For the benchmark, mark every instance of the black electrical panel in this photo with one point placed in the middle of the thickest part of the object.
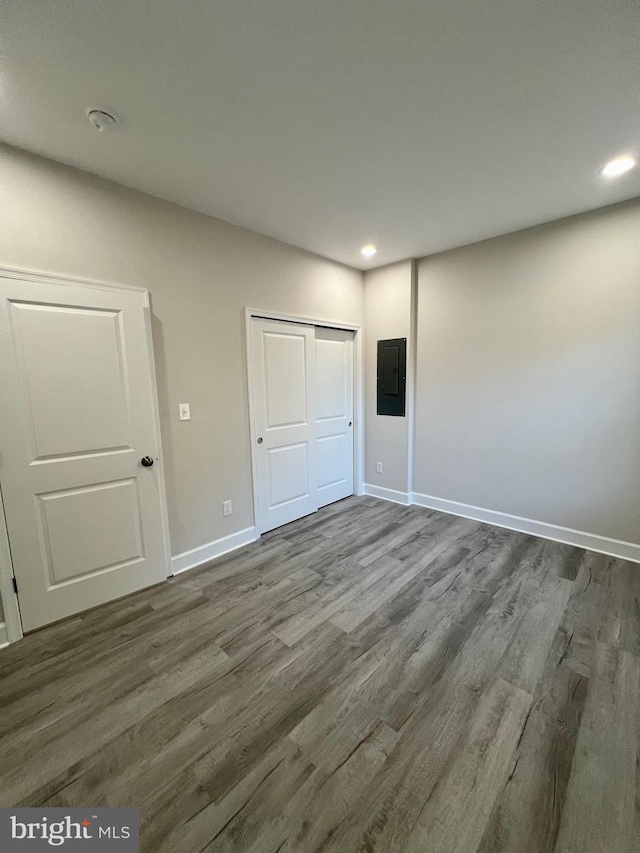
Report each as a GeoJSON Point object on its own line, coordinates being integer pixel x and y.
{"type": "Point", "coordinates": [392, 377]}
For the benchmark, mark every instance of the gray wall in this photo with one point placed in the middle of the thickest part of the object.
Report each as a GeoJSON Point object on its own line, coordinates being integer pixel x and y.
{"type": "Point", "coordinates": [387, 303]}
{"type": "Point", "coordinates": [201, 273]}
{"type": "Point", "coordinates": [528, 374]}
{"type": "Point", "coordinates": [528, 348]}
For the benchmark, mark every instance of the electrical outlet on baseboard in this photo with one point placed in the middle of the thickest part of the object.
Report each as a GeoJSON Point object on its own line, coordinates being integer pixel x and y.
{"type": "Point", "coordinates": [227, 507]}
{"type": "Point", "coordinates": [378, 467]}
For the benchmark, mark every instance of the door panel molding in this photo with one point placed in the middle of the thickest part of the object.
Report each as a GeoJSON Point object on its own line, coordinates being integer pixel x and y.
{"type": "Point", "coordinates": [66, 557]}
{"type": "Point", "coordinates": [38, 394]}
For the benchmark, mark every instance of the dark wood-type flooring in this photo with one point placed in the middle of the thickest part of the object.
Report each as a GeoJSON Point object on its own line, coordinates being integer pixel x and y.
{"type": "Point", "coordinates": [370, 678]}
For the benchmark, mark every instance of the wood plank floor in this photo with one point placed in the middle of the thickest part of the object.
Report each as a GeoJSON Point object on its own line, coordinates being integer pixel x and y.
{"type": "Point", "coordinates": [370, 678]}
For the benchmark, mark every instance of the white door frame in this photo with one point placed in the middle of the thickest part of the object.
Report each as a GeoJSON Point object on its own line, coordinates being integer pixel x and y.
{"type": "Point", "coordinates": [11, 631]}
{"type": "Point", "coordinates": [358, 402]}
{"type": "Point", "coordinates": [13, 622]}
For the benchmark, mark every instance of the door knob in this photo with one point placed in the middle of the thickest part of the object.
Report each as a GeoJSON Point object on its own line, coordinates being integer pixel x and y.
{"type": "Point", "coordinates": [259, 441]}
{"type": "Point", "coordinates": [350, 424]}
{"type": "Point", "coordinates": [146, 462]}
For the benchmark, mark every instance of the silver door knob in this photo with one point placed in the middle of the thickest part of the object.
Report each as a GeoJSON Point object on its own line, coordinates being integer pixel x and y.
{"type": "Point", "coordinates": [259, 441]}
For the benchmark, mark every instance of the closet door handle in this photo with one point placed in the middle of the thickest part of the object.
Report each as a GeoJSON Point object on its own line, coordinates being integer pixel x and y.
{"type": "Point", "coordinates": [260, 441]}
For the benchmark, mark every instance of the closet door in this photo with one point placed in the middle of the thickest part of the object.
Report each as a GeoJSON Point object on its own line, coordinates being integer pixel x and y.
{"type": "Point", "coordinates": [334, 424]}
{"type": "Point", "coordinates": [284, 421]}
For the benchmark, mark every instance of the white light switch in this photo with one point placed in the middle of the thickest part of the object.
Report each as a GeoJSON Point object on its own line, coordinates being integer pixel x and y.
{"type": "Point", "coordinates": [185, 411]}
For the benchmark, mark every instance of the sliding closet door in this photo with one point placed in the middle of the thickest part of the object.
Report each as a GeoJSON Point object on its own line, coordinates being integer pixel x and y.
{"type": "Point", "coordinates": [284, 414]}
{"type": "Point", "coordinates": [334, 426]}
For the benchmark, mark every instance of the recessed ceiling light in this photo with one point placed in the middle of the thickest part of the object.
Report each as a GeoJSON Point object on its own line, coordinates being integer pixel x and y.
{"type": "Point", "coordinates": [618, 166]}
{"type": "Point", "coordinates": [368, 251]}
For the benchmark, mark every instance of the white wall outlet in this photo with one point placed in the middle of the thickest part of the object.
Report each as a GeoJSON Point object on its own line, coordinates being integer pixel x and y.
{"type": "Point", "coordinates": [185, 411]}
{"type": "Point", "coordinates": [378, 467]}
{"type": "Point", "coordinates": [227, 507]}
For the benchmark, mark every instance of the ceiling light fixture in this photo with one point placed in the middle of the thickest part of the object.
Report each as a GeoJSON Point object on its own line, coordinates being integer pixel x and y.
{"type": "Point", "coordinates": [618, 166]}
{"type": "Point", "coordinates": [368, 251]}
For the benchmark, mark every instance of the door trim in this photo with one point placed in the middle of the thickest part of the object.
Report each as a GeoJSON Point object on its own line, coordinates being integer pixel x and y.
{"type": "Point", "coordinates": [358, 393]}
{"type": "Point", "coordinates": [74, 281]}
{"type": "Point", "coordinates": [13, 622]}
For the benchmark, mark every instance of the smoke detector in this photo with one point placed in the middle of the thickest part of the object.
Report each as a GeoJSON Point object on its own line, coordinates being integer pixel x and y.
{"type": "Point", "coordinates": [101, 119]}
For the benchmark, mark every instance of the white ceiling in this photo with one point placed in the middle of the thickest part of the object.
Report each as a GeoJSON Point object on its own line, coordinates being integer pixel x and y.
{"type": "Point", "coordinates": [414, 124]}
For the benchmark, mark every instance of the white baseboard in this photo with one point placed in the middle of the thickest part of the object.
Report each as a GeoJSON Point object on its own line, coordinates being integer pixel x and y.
{"type": "Point", "coordinates": [403, 498]}
{"type": "Point", "coordinates": [206, 553]}
{"type": "Point", "coordinates": [590, 541]}
{"type": "Point", "coordinates": [4, 636]}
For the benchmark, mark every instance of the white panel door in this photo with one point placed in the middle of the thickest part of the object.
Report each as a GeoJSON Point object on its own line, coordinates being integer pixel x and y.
{"type": "Point", "coordinates": [84, 515]}
{"type": "Point", "coordinates": [334, 425]}
{"type": "Point", "coordinates": [284, 395]}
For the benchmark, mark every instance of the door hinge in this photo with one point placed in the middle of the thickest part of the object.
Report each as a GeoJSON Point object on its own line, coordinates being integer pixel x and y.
{"type": "Point", "coordinates": [15, 585]}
